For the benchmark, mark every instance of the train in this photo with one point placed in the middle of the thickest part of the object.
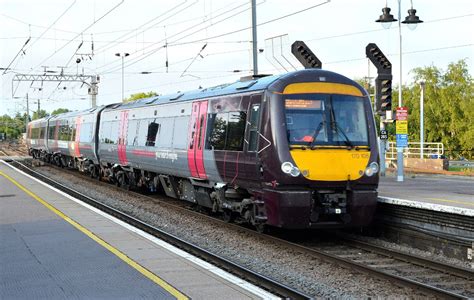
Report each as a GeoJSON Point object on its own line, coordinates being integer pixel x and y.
{"type": "Point", "coordinates": [297, 150]}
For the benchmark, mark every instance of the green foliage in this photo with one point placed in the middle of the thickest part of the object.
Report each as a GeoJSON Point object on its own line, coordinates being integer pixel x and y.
{"type": "Point", "coordinates": [42, 113]}
{"type": "Point", "coordinates": [448, 108]}
{"type": "Point", "coordinates": [60, 111]}
{"type": "Point", "coordinates": [13, 127]}
{"type": "Point", "coordinates": [138, 96]}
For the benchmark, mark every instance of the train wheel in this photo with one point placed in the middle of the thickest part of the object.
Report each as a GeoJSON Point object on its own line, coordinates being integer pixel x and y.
{"type": "Point", "coordinates": [261, 228]}
{"type": "Point", "coordinates": [228, 216]}
{"type": "Point", "coordinates": [122, 180]}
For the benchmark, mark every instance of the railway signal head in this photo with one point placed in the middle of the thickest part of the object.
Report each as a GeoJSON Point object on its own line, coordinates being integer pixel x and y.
{"type": "Point", "coordinates": [379, 60]}
{"type": "Point", "coordinates": [305, 56]}
{"type": "Point", "coordinates": [383, 85]}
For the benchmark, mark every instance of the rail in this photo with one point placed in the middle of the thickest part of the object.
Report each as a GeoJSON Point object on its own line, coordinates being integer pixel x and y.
{"type": "Point", "coordinates": [378, 262]}
{"type": "Point", "coordinates": [262, 281]}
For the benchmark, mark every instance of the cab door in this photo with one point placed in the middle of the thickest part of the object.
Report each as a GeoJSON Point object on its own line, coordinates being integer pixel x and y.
{"type": "Point", "coordinates": [252, 138]}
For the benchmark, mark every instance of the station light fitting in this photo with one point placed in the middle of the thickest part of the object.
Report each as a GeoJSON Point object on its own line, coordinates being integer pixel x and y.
{"type": "Point", "coordinates": [386, 18]}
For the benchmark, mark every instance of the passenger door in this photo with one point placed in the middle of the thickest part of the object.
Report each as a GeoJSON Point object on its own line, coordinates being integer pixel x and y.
{"type": "Point", "coordinates": [196, 138]}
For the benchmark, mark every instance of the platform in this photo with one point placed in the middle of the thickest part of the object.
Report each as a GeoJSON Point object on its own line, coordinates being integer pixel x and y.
{"type": "Point", "coordinates": [53, 246]}
{"type": "Point", "coordinates": [453, 194]}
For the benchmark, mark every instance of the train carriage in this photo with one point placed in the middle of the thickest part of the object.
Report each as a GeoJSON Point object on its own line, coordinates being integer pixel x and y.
{"type": "Point", "coordinates": [297, 150]}
{"type": "Point", "coordinates": [71, 139]}
{"type": "Point", "coordinates": [36, 138]}
{"type": "Point", "coordinates": [294, 151]}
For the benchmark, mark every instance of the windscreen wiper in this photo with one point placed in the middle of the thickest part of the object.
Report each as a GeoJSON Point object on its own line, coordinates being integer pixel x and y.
{"type": "Point", "coordinates": [336, 126]}
{"type": "Point", "coordinates": [316, 133]}
{"type": "Point", "coordinates": [338, 129]}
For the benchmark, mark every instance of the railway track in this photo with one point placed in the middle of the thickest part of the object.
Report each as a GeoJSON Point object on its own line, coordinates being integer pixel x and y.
{"type": "Point", "coordinates": [264, 282]}
{"type": "Point", "coordinates": [427, 276]}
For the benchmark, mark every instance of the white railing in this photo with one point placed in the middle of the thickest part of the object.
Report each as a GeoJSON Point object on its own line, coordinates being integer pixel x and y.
{"type": "Point", "coordinates": [430, 150]}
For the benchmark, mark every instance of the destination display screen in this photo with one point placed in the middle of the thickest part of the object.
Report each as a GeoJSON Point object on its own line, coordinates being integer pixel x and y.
{"type": "Point", "coordinates": [302, 104]}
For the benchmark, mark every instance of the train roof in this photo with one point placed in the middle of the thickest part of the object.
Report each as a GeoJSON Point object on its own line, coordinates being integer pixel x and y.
{"type": "Point", "coordinates": [247, 84]}
{"type": "Point", "coordinates": [75, 113]}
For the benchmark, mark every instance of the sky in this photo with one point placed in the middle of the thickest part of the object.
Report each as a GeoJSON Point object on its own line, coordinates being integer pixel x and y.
{"type": "Point", "coordinates": [207, 43]}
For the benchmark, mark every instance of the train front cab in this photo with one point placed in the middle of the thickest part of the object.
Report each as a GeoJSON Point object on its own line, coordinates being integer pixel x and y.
{"type": "Point", "coordinates": [322, 168]}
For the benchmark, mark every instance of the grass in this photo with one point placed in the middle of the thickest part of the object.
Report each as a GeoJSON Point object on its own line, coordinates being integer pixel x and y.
{"type": "Point", "coordinates": [467, 170]}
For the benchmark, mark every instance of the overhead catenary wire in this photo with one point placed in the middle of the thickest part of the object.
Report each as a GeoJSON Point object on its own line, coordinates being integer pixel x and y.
{"type": "Point", "coordinates": [80, 33]}
{"type": "Point", "coordinates": [18, 53]}
{"type": "Point", "coordinates": [52, 24]}
{"type": "Point", "coordinates": [133, 31]}
{"type": "Point", "coordinates": [153, 51]}
{"type": "Point", "coordinates": [174, 43]}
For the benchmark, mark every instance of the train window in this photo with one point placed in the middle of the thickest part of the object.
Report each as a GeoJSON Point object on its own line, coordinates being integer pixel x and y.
{"type": "Point", "coordinates": [153, 129]}
{"type": "Point", "coordinates": [73, 132]}
{"type": "Point", "coordinates": [34, 133]}
{"type": "Point", "coordinates": [253, 127]}
{"type": "Point", "coordinates": [236, 130]}
{"type": "Point", "coordinates": [114, 132]}
{"type": "Point", "coordinates": [132, 133]}
{"type": "Point", "coordinates": [51, 131]}
{"type": "Point", "coordinates": [166, 133]}
{"type": "Point", "coordinates": [218, 134]}
{"type": "Point", "coordinates": [64, 132]}
{"type": "Point", "coordinates": [180, 130]}
{"type": "Point", "coordinates": [85, 134]}
{"type": "Point", "coordinates": [201, 123]}
{"type": "Point", "coordinates": [42, 131]}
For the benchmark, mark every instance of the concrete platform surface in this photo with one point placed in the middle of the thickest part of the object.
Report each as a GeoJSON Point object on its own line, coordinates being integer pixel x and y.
{"type": "Point", "coordinates": [52, 246]}
{"type": "Point", "coordinates": [436, 192]}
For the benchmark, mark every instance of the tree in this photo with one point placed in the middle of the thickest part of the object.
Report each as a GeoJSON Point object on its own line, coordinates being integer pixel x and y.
{"type": "Point", "coordinates": [42, 113]}
{"type": "Point", "coordinates": [448, 107]}
{"type": "Point", "coordinates": [60, 111]}
{"type": "Point", "coordinates": [138, 96]}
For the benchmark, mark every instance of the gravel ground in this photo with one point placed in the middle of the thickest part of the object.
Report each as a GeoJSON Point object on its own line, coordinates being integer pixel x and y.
{"type": "Point", "coordinates": [307, 274]}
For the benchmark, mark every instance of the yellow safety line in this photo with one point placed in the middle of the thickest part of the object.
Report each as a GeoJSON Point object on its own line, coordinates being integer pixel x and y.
{"type": "Point", "coordinates": [103, 243]}
{"type": "Point", "coordinates": [452, 201]}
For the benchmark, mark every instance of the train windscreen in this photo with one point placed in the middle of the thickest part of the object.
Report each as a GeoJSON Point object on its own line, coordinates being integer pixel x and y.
{"type": "Point", "coordinates": [326, 120]}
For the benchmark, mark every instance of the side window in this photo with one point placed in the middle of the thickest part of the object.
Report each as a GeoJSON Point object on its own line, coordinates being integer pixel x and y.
{"type": "Point", "coordinates": [64, 132]}
{"type": "Point", "coordinates": [236, 130]}
{"type": "Point", "coordinates": [85, 135]}
{"type": "Point", "coordinates": [166, 133]}
{"type": "Point", "coordinates": [34, 133]}
{"type": "Point", "coordinates": [106, 131]}
{"type": "Point", "coordinates": [73, 132]}
{"type": "Point", "coordinates": [153, 129]}
{"type": "Point", "coordinates": [42, 131]}
{"type": "Point", "coordinates": [132, 132]}
{"type": "Point", "coordinates": [253, 127]}
{"type": "Point", "coordinates": [180, 132]}
{"type": "Point", "coordinates": [51, 130]}
{"type": "Point", "coordinates": [219, 131]}
{"type": "Point", "coordinates": [114, 132]}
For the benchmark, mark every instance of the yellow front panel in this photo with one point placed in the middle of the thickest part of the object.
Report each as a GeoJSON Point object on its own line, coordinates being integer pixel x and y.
{"type": "Point", "coordinates": [322, 88]}
{"type": "Point", "coordinates": [331, 164]}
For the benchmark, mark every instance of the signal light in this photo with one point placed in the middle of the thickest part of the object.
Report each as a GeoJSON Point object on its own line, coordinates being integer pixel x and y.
{"type": "Point", "coordinates": [383, 95]}
{"type": "Point", "coordinates": [383, 82]}
{"type": "Point", "coordinates": [305, 56]}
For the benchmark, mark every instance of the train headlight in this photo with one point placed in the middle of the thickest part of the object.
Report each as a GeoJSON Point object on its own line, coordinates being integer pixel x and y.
{"type": "Point", "coordinates": [372, 169]}
{"type": "Point", "coordinates": [288, 168]}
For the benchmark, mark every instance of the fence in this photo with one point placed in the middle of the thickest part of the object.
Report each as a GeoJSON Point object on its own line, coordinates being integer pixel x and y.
{"type": "Point", "coordinates": [430, 150]}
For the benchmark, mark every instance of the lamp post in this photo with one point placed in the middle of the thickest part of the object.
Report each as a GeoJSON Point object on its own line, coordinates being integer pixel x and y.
{"type": "Point", "coordinates": [411, 20]}
{"type": "Point", "coordinates": [122, 55]}
{"type": "Point", "coordinates": [422, 131]}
